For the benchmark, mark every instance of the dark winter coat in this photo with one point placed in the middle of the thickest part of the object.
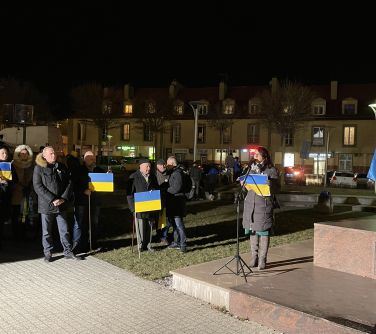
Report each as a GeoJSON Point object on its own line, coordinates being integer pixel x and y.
{"type": "Point", "coordinates": [51, 181]}
{"type": "Point", "coordinates": [175, 200]}
{"type": "Point", "coordinates": [137, 183]}
{"type": "Point", "coordinates": [80, 181]}
{"type": "Point", "coordinates": [258, 210]}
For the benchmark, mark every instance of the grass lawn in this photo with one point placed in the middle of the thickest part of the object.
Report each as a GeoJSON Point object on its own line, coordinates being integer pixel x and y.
{"type": "Point", "coordinates": [211, 232]}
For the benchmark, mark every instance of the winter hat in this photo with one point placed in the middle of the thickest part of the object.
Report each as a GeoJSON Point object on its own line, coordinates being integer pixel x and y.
{"type": "Point", "coordinates": [88, 153]}
{"type": "Point", "coordinates": [144, 161]}
{"type": "Point", "coordinates": [161, 162]}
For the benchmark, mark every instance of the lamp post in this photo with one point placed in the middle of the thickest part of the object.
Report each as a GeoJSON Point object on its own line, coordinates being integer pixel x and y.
{"type": "Point", "coordinates": [108, 152]}
{"type": "Point", "coordinates": [195, 105]}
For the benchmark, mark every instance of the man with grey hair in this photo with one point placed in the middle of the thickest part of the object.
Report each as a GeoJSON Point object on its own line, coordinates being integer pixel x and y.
{"type": "Point", "coordinates": [53, 186]}
{"type": "Point", "coordinates": [175, 204]}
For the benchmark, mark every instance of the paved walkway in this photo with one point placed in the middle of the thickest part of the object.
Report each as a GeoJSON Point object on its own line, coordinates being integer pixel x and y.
{"type": "Point", "coordinates": [92, 296]}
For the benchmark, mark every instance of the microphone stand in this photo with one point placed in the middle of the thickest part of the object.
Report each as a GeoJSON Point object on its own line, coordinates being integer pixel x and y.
{"type": "Point", "coordinates": [240, 263]}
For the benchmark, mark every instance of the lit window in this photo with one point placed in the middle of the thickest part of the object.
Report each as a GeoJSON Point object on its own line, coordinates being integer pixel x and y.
{"type": "Point", "coordinates": [128, 110]}
{"type": "Point", "coordinates": [228, 106]}
{"type": "Point", "coordinates": [126, 131]}
{"type": "Point", "coordinates": [349, 136]}
{"type": "Point", "coordinates": [318, 136]}
{"type": "Point", "coordinates": [179, 110]}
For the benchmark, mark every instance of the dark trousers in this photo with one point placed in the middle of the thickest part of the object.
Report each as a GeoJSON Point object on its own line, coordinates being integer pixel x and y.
{"type": "Point", "coordinates": [47, 230]}
{"type": "Point", "coordinates": [179, 231]}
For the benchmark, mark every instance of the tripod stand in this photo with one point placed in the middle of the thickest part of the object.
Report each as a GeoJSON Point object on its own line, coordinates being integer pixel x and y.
{"type": "Point", "coordinates": [240, 263]}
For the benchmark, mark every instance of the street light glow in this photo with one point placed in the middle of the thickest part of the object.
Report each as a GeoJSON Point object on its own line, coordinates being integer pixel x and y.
{"type": "Point", "coordinates": [373, 107]}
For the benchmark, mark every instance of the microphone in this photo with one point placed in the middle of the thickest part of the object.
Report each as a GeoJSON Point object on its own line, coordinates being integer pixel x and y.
{"type": "Point", "coordinates": [251, 162]}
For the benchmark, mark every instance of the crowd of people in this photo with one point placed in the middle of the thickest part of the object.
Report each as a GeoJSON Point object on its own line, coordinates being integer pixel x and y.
{"type": "Point", "coordinates": [41, 191]}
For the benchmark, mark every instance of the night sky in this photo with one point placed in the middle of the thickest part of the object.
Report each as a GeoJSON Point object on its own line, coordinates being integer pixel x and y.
{"type": "Point", "coordinates": [149, 44]}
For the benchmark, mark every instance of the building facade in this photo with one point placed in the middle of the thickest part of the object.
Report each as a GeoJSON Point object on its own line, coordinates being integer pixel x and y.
{"type": "Point", "coordinates": [157, 122]}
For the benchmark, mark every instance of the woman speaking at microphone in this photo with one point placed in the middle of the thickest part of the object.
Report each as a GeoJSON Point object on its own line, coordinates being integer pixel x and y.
{"type": "Point", "coordinates": [258, 208]}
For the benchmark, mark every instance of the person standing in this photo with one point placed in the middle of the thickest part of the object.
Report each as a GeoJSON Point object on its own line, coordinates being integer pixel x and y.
{"type": "Point", "coordinates": [258, 209]}
{"type": "Point", "coordinates": [22, 217]}
{"type": "Point", "coordinates": [82, 195]}
{"type": "Point", "coordinates": [140, 181]}
{"type": "Point", "coordinates": [6, 186]}
{"type": "Point", "coordinates": [230, 162]}
{"type": "Point", "coordinates": [162, 178]}
{"type": "Point", "coordinates": [176, 204]}
{"type": "Point", "coordinates": [196, 174]}
{"type": "Point", "coordinates": [53, 186]}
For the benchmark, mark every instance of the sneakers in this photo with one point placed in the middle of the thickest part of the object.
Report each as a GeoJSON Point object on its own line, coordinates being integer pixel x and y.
{"type": "Point", "coordinates": [71, 256]}
{"type": "Point", "coordinates": [163, 242]}
{"type": "Point", "coordinates": [48, 257]}
{"type": "Point", "coordinates": [174, 246]}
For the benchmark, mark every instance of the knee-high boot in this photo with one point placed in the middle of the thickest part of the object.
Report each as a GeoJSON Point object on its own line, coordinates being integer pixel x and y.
{"type": "Point", "coordinates": [254, 241]}
{"type": "Point", "coordinates": [263, 251]}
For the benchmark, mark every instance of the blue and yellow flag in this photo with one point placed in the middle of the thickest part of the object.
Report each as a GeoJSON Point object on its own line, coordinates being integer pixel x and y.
{"type": "Point", "coordinates": [372, 169]}
{"type": "Point", "coordinates": [258, 183]}
{"type": "Point", "coordinates": [6, 170]}
{"type": "Point", "coordinates": [147, 201]}
{"type": "Point", "coordinates": [101, 182]}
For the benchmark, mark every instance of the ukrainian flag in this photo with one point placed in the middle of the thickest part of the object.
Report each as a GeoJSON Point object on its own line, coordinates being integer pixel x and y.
{"type": "Point", "coordinates": [101, 182]}
{"type": "Point", "coordinates": [6, 170]}
{"type": "Point", "coordinates": [147, 201]}
{"type": "Point", "coordinates": [258, 183]}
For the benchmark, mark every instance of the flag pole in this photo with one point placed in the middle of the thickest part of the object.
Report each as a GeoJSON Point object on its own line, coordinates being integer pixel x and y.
{"type": "Point", "coordinates": [91, 249]}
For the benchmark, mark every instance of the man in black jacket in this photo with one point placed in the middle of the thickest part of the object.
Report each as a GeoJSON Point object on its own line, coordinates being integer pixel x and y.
{"type": "Point", "coordinates": [82, 195]}
{"type": "Point", "coordinates": [175, 204]}
{"type": "Point", "coordinates": [140, 181]}
{"type": "Point", "coordinates": [52, 184]}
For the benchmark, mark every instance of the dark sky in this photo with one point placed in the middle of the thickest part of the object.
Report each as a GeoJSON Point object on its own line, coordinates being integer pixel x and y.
{"type": "Point", "coordinates": [60, 45]}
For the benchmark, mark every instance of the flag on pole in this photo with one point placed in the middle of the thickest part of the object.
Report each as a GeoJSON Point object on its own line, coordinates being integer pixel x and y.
{"type": "Point", "coordinates": [101, 182]}
{"type": "Point", "coordinates": [372, 169]}
{"type": "Point", "coordinates": [147, 201]}
{"type": "Point", "coordinates": [258, 183]}
{"type": "Point", "coordinates": [6, 170]}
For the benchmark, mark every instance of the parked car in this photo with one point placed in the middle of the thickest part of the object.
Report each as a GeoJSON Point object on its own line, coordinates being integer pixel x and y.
{"type": "Point", "coordinates": [361, 180]}
{"type": "Point", "coordinates": [295, 175]}
{"type": "Point", "coordinates": [343, 179]}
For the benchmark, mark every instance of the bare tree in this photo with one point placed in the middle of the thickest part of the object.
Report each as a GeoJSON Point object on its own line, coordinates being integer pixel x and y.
{"type": "Point", "coordinates": [13, 91]}
{"type": "Point", "coordinates": [286, 108]}
{"type": "Point", "coordinates": [154, 117]}
{"type": "Point", "coordinates": [221, 125]}
{"type": "Point", "coordinates": [97, 106]}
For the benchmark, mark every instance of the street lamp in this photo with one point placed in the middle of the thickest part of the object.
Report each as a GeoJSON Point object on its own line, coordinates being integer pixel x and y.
{"type": "Point", "coordinates": [108, 152]}
{"type": "Point", "coordinates": [195, 105]}
{"type": "Point", "coordinates": [373, 107]}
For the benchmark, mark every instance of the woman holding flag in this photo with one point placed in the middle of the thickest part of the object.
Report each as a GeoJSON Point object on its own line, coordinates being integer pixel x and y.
{"type": "Point", "coordinates": [259, 205]}
{"type": "Point", "coordinates": [8, 177]}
